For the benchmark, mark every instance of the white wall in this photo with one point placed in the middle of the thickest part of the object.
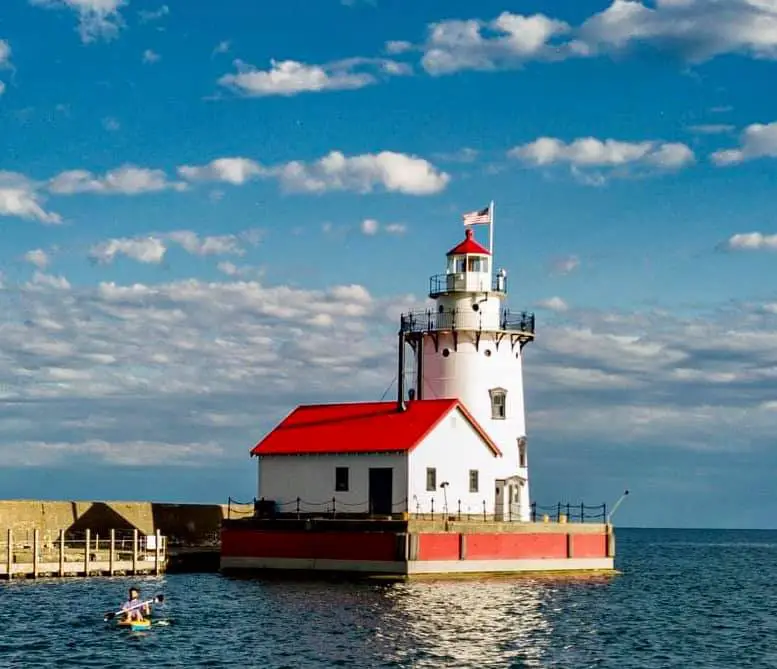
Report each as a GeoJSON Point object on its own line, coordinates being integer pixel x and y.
{"type": "Point", "coordinates": [453, 448]}
{"type": "Point", "coordinates": [283, 478]}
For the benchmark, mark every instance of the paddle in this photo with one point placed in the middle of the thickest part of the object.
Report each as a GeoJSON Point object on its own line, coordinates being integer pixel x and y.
{"type": "Point", "coordinates": [157, 600]}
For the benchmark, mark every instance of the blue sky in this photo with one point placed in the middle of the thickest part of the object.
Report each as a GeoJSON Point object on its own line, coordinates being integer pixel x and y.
{"type": "Point", "coordinates": [213, 212]}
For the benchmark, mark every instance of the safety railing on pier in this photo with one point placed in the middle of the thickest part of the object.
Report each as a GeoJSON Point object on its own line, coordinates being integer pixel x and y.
{"type": "Point", "coordinates": [438, 509]}
{"type": "Point", "coordinates": [81, 553]}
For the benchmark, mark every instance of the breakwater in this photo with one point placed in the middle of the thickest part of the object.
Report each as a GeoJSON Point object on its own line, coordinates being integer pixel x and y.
{"type": "Point", "coordinates": [191, 531]}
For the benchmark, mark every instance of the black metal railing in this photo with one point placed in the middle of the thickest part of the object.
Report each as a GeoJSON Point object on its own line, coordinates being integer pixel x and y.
{"type": "Point", "coordinates": [440, 284]}
{"type": "Point", "coordinates": [452, 319]}
{"type": "Point", "coordinates": [436, 509]}
{"type": "Point", "coordinates": [575, 513]}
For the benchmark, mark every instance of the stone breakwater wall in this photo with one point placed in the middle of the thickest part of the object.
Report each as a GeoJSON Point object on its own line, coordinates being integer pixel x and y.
{"type": "Point", "coordinates": [185, 524]}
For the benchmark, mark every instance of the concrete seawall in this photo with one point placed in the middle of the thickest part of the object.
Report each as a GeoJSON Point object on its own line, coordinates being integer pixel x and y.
{"type": "Point", "coordinates": [182, 524]}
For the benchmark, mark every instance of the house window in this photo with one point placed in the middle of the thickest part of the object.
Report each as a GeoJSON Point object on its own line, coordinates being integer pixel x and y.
{"type": "Point", "coordinates": [522, 452]}
{"type": "Point", "coordinates": [473, 480]}
{"type": "Point", "coordinates": [341, 479]}
{"type": "Point", "coordinates": [498, 403]}
{"type": "Point", "coordinates": [431, 478]}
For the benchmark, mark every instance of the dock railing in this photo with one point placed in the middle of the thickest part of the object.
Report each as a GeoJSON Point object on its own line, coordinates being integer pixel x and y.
{"type": "Point", "coordinates": [85, 553]}
{"type": "Point", "coordinates": [438, 509]}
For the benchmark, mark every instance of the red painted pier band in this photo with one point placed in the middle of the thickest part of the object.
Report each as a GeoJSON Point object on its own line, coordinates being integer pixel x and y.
{"type": "Point", "coordinates": [433, 482]}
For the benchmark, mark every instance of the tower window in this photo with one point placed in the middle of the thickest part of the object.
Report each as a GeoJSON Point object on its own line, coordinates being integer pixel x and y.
{"type": "Point", "coordinates": [446, 352]}
{"type": "Point", "coordinates": [498, 403]}
{"type": "Point", "coordinates": [475, 264]}
{"type": "Point", "coordinates": [431, 479]}
{"type": "Point", "coordinates": [522, 452]}
{"type": "Point", "coordinates": [473, 480]}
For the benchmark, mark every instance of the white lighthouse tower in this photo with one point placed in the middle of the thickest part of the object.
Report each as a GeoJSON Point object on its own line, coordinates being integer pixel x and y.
{"type": "Point", "coordinates": [470, 347]}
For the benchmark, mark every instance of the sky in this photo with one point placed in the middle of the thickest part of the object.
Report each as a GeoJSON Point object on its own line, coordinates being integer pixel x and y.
{"type": "Point", "coordinates": [213, 212]}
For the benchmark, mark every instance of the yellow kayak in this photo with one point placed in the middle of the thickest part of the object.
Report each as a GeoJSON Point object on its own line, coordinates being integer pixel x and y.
{"type": "Point", "coordinates": [135, 624]}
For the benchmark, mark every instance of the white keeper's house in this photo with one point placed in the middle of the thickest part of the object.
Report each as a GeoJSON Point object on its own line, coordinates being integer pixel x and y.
{"type": "Point", "coordinates": [454, 439]}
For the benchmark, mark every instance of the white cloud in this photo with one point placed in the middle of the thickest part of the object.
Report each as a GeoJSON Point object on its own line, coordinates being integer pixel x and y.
{"type": "Point", "coordinates": [204, 246]}
{"type": "Point", "coordinates": [221, 47]}
{"type": "Point", "coordinates": [155, 15]}
{"type": "Point", "coordinates": [610, 154]}
{"type": "Point", "coordinates": [553, 304]}
{"type": "Point", "coordinates": [565, 265]}
{"type": "Point", "coordinates": [370, 226]}
{"type": "Point", "coordinates": [149, 250]}
{"type": "Point", "coordinates": [398, 46]}
{"type": "Point", "coordinates": [124, 180]}
{"type": "Point", "coordinates": [752, 241]}
{"type": "Point", "coordinates": [698, 29]}
{"type": "Point", "coordinates": [394, 172]}
{"type": "Point", "coordinates": [758, 140]}
{"type": "Point", "coordinates": [150, 56]}
{"type": "Point", "coordinates": [5, 54]}
{"type": "Point", "coordinates": [19, 198]}
{"type": "Point", "coordinates": [38, 257]}
{"type": "Point", "coordinates": [2, 88]}
{"type": "Point", "coordinates": [97, 19]}
{"type": "Point", "coordinates": [290, 77]}
{"type": "Point", "coordinates": [507, 41]}
{"type": "Point", "coordinates": [395, 228]}
{"type": "Point", "coordinates": [230, 170]}
{"type": "Point", "coordinates": [41, 280]}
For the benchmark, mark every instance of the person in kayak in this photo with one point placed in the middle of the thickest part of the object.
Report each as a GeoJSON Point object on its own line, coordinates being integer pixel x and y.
{"type": "Point", "coordinates": [135, 612]}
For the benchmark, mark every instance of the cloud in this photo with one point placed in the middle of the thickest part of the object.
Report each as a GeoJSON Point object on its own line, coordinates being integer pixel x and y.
{"type": "Point", "coordinates": [5, 54]}
{"type": "Point", "coordinates": [371, 227]}
{"type": "Point", "coordinates": [205, 246]}
{"type": "Point", "coordinates": [565, 265]}
{"type": "Point", "coordinates": [290, 77]}
{"type": "Point", "coordinates": [553, 304]}
{"type": "Point", "coordinates": [146, 16]}
{"type": "Point", "coordinates": [393, 172]}
{"type": "Point", "coordinates": [758, 140]}
{"type": "Point", "coordinates": [751, 241]}
{"type": "Point", "coordinates": [697, 30]}
{"type": "Point", "coordinates": [44, 281]}
{"type": "Point", "coordinates": [124, 180]}
{"type": "Point", "coordinates": [19, 198]}
{"type": "Point", "coordinates": [612, 155]}
{"type": "Point", "coordinates": [711, 128]}
{"type": "Point", "coordinates": [149, 250]}
{"type": "Point", "coordinates": [97, 19]}
{"type": "Point", "coordinates": [507, 41]}
{"type": "Point", "coordinates": [150, 56]}
{"type": "Point", "coordinates": [38, 257]}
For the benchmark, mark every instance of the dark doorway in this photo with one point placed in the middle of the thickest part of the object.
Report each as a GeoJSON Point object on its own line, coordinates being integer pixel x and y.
{"type": "Point", "coordinates": [381, 490]}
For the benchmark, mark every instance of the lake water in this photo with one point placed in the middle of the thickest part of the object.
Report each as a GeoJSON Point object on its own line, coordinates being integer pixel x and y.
{"type": "Point", "coordinates": [686, 598]}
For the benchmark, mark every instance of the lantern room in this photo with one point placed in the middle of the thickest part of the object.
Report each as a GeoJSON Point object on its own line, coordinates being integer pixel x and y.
{"type": "Point", "coordinates": [468, 271]}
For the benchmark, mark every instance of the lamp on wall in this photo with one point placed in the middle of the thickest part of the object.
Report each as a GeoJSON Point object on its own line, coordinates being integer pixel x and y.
{"type": "Point", "coordinates": [444, 485]}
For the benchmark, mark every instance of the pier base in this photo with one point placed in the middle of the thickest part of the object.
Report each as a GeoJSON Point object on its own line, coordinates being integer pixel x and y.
{"type": "Point", "coordinates": [414, 548]}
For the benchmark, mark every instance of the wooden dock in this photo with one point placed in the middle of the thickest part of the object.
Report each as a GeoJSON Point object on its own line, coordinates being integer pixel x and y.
{"type": "Point", "coordinates": [121, 553]}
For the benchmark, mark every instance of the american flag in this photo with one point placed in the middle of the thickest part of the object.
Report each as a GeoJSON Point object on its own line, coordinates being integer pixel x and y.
{"type": "Point", "coordinates": [477, 217]}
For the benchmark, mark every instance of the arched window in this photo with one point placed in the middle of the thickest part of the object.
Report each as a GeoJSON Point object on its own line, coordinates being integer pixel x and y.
{"type": "Point", "coordinates": [498, 403]}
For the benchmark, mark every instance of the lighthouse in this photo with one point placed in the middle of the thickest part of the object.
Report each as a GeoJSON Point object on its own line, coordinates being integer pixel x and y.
{"type": "Point", "coordinates": [469, 346]}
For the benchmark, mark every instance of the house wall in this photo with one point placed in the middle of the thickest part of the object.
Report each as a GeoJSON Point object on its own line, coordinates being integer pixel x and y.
{"type": "Point", "coordinates": [453, 448]}
{"type": "Point", "coordinates": [283, 478]}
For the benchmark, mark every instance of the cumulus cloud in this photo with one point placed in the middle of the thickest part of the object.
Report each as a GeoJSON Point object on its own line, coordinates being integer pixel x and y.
{"type": "Point", "coordinates": [205, 246]}
{"type": "Point", "coordinates": [124, 180]}
{"type": "Point", "coordinates": [609, 154]}
{"type": "Point", "coordinates": [150, 56]}
{"type": "Point", "coordinates": [371, 227]}
{"type": "Point", "coordinates": [19, 198]}
{"type": "Point", "coordinates": [38, 257]}
{"type": "Point", "coordinates": [394, 172]}
{"type": "Point", "coordinates": [553, 304]}
{"type": "Point", "coordinates": [758, 140]}
{"type": "Point", "coordinates": [290, 77]}
{"type": "Point", "coordinates": [149, 250]}
{"type": "Point", "coordinates": [5, 54]}
{"type": "Point", "coordinates": [153, 15]}
{"type": "Point", "coordinates": [695, 30]}
{"type": "Point", "coordinates": [751, 241]}
{"type": "Point", "coordinates": [97, 19]}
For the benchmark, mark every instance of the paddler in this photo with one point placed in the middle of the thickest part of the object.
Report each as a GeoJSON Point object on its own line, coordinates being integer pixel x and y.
{"type": "Point", "coordinates": [134, 611]}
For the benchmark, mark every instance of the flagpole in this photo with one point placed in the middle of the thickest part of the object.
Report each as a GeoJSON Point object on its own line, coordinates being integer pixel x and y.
{"type": "Point", "coordinates": [491, 232]}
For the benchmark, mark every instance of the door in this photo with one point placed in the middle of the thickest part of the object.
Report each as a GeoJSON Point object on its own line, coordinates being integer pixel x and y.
{"type": "Point", "coordinates": [381, 490]}
{"type": "Point", "coordinates": [499, 502]}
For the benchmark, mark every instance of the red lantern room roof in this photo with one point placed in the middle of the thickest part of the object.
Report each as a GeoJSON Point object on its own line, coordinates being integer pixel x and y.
{"type": "Point", "coordinates": [469, 245]}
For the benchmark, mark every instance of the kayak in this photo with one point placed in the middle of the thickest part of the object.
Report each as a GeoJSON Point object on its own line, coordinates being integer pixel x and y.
{"type": "Point", "coordinates": [135, 625]}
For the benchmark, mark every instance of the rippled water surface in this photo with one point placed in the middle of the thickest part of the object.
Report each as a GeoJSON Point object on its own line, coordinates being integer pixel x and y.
{"type": "Point", "coordinates": [685, 599]}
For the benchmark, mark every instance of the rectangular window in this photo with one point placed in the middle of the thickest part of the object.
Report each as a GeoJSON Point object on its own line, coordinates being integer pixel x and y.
{"type": "Point", "coordinates": [473, 480]}
{"type": "Point", "coordinates": [431, 479]}
{"type": "Point", "coordinates": [498, 404]}
{"type": "Point", "coordinates": [474, 264]}
{"type": "Point", "coordinates": [341, 479]}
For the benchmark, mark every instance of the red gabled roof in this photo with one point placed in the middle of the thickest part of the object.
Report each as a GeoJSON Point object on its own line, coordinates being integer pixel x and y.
{"type": "Point", "coordinates": [469, 245]}
{"type": "Point", "coordinates": [360, 427]}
